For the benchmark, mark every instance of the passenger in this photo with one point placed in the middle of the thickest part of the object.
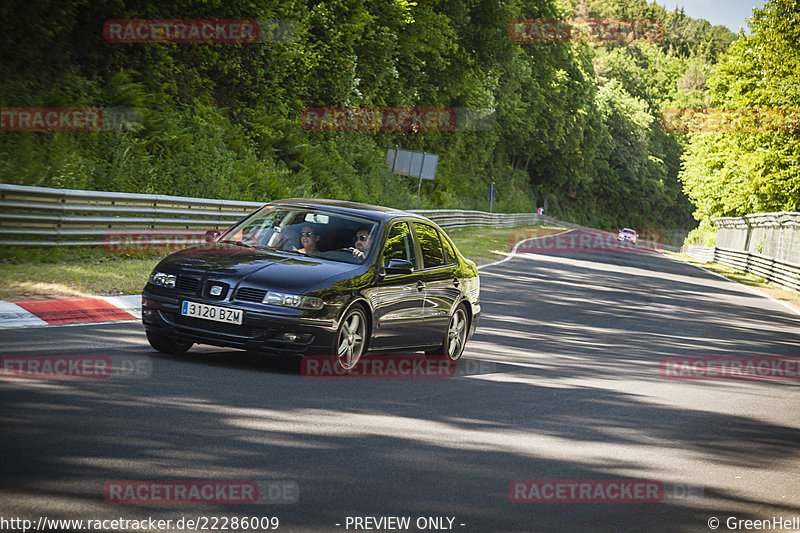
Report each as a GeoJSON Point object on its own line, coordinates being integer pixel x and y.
{"type": "Point", "coordinates": [309, 238]}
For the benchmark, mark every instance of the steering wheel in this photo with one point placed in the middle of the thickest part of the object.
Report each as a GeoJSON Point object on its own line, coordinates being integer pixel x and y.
{"type": "Point", "coordinates": [352, 250]}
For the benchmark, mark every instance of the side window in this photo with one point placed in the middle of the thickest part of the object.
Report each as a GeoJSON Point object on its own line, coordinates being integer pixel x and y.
{"type": "Point", "coordinates": [431, 246]}
{"type": "Point", "coordinates": [398, 244]}
{"type": "Point", "coordinates": [449, 252]}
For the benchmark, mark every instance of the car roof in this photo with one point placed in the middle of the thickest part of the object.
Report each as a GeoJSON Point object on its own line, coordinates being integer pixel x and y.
{"type": "Point", "coordinates": [345, 207]}
{"type": "Point", "coordinates": [628, 230]}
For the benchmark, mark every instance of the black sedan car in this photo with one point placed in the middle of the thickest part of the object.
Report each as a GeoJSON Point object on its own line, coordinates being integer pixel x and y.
{"type": "Point", "coordinates": [317, 277]}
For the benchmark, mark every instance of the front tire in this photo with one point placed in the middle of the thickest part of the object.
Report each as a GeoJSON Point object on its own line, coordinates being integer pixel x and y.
{"type": "Point", "coordinates": [351, 339]}
{"type": "Point", "coordinates": [165, 344]}
{"type": "Point", "coordinates": [456, 336]}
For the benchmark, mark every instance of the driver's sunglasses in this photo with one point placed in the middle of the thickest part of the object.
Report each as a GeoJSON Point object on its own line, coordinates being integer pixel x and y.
{"type": "Point", "coordinates": [362, 237]}
{"type": "Point", "coordinates": [306, 233]}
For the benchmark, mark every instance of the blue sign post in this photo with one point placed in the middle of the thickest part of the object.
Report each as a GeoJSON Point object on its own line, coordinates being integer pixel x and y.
{"type": "Point", "coordinates": [491, 195]}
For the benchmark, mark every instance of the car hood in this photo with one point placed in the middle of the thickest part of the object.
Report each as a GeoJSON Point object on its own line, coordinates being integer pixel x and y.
{"type": "Point", "coordinates": [254, 268]}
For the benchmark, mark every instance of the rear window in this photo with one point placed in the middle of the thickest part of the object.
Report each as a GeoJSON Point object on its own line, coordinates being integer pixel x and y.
{"type": "Point", "coordinates": [430, 244]}
{"type": "Point", "coordinates": [449, 250]}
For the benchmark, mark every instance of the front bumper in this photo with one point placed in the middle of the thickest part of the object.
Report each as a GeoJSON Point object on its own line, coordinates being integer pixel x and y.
{"type": "Point", "coordinates": [473, 324]}
{"type": "Point", "coordinates": [259, 331]}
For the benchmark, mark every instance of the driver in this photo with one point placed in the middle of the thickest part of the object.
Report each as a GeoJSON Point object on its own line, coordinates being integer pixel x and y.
{"type": "Point", "coordinates": [362, 242]}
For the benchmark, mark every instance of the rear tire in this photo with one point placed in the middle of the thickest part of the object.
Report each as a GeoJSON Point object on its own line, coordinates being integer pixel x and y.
{"type": "Point", "coordinates": [165, 344]}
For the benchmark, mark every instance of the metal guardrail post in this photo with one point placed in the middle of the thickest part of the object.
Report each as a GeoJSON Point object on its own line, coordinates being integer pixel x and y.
{"type": "Point", "coordinates": [770, 271]}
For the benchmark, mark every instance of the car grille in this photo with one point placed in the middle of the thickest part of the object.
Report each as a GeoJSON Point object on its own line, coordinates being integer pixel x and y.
{"type": "Point", "coordinates": [186, 284]}
{"type": "Point", "coordinates": [221, 295]}
{"type": "Point", "coordinates": [217, 327]}
{"type": "Point", "coordinates": [250, 295]}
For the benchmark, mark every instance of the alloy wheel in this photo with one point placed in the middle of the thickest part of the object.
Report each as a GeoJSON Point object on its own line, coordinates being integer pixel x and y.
{"type": "Point", "coordinates": [350, 339]}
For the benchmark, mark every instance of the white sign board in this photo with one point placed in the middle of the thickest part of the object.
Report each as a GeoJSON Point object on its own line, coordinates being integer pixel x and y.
{"type": "Point", "coordinates": [414, 164]}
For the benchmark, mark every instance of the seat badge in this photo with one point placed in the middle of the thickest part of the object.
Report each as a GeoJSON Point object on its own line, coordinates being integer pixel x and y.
{"type": "Point", "coordinates": [216, 290]}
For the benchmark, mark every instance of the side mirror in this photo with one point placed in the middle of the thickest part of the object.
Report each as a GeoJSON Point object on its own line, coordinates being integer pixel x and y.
{"type": "Point", "coordinates": [211, 235]}
{"type": "Point", "coordinates": [398, 266]}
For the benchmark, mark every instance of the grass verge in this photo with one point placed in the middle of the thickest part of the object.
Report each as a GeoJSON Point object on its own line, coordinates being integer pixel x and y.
{"type": "Point", "coordinates": [79, 272]}
{"type": "Point", "coordinates": [486, 245]}
{"type": "Point", "coordinates": [745, 279]}
{"type": "Point", "coordinates": [75, 278]}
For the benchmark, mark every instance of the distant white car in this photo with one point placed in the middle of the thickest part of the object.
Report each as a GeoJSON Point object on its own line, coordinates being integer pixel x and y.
{"type": "Point", "coordinates": [627, 235]}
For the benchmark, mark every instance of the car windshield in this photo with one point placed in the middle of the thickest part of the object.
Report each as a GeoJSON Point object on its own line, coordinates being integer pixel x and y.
{"type": "Point", "coordinates": [306, 231]}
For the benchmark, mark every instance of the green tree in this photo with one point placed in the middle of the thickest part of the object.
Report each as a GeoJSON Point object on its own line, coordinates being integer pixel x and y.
{"type": "Point", "coordinates": [739, 172]}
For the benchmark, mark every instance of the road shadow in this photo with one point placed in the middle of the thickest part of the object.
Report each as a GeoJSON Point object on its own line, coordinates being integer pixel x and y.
{"type": "Point", "coordinates": [556, 338]}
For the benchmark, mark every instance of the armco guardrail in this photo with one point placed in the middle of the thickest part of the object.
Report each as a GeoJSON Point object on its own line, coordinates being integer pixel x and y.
{"type": "Point", "coordinates": [36, 216]}
{"type": "Point", "coordinates": [450, 219]}
{"type": "Point", "coordinates": [704, 254]}
{"type": "Point", "coordinates": [771, 234]}
{"type": "Point", "coordinates": [780, 273]}
{"type": "Point", "coordinates": [766, 245]}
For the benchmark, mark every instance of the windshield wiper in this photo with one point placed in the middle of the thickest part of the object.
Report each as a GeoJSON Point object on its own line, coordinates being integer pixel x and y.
{"type": "Point", "coordinates": [283, 250]}
{"type": "Point", "coordinates": [240, 243]}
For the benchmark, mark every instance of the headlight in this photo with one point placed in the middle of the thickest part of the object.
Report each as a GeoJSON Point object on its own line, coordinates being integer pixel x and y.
{"type": "Point", "coordinates": [292, 300]}
{"type": "Point", "coordinates": [160, 278]}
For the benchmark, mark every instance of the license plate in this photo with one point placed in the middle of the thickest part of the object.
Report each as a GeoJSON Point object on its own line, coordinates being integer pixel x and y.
{"type": "Point", "coordinates": [212, 312]}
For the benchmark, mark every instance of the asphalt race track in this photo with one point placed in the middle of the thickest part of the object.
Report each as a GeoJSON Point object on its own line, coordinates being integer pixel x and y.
{"type": "Point", "coordinates": [563, 381]}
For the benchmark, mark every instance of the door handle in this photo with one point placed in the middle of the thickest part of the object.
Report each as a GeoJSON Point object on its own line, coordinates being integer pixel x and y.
{"type": "Point", "coordinates": [420, 285]}
{"type": "Point", "coordinates": [456, 283]}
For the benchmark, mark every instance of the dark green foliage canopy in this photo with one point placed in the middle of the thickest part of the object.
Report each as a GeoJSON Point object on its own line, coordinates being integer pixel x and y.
{"type": "Point", "coordinates": [574, 123]}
